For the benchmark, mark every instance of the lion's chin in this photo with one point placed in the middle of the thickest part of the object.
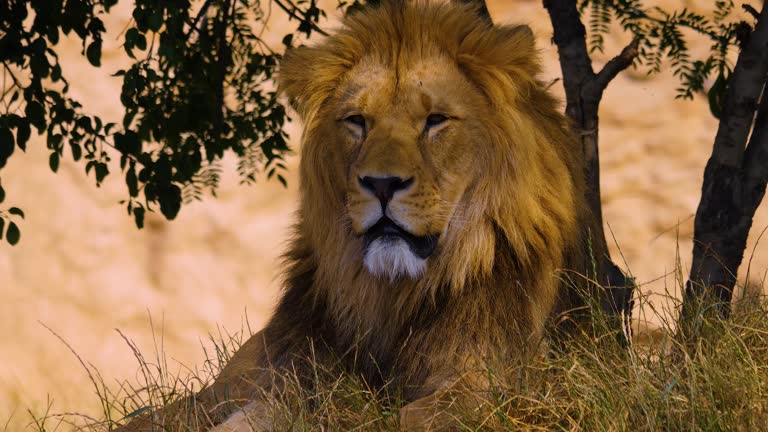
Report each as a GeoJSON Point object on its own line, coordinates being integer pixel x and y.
{"type": "Point", "coordinates": [391, 257]}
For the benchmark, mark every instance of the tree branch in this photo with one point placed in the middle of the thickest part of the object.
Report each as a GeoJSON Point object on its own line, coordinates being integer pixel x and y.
{"type": "Point", "coordinates": [742, 95]}
{"type": "Point", "coordinates": [200, 14]}
{"type": "Point", "coordinates": [617, 64]}
{"type": "Point", "coordinates": [292, 13]}
{"type": "Point", "coordinates": [583, 91]}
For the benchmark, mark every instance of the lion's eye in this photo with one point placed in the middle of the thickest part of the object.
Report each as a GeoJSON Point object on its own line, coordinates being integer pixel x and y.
{"type": "Point", "coordinates": [356, 119]}
{"type": "Point", "coordinates": [434, 120]}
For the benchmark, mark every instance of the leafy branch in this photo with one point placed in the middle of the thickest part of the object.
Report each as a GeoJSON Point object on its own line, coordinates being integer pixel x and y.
{"type": "Point", "coordinates": [660, 35]}
{"type": "Point", "coordinates": [200, 85]}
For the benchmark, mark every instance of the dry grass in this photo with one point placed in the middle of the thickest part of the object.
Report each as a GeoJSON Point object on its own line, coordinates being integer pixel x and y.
{"type": "Point", "coordinates": [719, 382]}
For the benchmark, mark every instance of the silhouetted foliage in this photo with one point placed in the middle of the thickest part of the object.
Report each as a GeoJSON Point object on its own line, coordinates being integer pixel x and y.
{"type": "Point", "coordinates": [736, 175]}
{"type": "Point", "coordinates": [661, 37]}
{"type": "Point", "coordinates": [199, 85]}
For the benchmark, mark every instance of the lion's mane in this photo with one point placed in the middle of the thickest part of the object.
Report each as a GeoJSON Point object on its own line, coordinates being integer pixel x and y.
{"type": "Point", "coordinates": [495, 280]}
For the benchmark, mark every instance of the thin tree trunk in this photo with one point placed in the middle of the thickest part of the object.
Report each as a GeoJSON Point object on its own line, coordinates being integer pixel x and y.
{"type": "Point", "coordinates": [734, 181]}
{"type": "Point", "coordinates": [583, 90]}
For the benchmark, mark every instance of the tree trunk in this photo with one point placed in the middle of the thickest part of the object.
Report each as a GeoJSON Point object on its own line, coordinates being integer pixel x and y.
{"type": "Point", "coordinates": [734, 182]}
{"type": "Point", "coordinates": [583, 90]}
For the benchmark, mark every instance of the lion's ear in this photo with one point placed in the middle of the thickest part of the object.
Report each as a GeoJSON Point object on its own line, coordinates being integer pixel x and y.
{"type": "Point", "coordinates": [518, 31]}
{"type": "Point", "coordinates": [518, 34]}
{"type": "Point", "coordinates": [506, 53]}
{"type": "Point", "coordinates": [308, 75]}
{"type": "Point", "coordinates": [293, 79]}
{"type": "Point", "coordinates": [520, 44]}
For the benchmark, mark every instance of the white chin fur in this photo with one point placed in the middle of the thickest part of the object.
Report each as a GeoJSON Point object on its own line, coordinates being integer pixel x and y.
{"type": "Point", "coordinates": [393, 258]}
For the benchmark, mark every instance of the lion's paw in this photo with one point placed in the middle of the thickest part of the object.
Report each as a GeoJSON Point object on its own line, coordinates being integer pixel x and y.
{"type": "Point", "coordinates": [250, 418]}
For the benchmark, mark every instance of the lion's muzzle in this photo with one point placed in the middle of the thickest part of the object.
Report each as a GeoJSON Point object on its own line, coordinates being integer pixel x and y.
{"type": "Point", "coordinates": [386, 230]}
{"type": "Point", "coordinates": [391, 247]}
{"type": "Point", "coordinates": [392, 251]}
{"type": "Point", "coordinates": [384, 189]}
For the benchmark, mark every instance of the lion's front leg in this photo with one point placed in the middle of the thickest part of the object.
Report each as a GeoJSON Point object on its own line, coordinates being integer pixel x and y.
{"type": "Point", "coordinates": [449, 397]}
{"type": "Point", "coordinates": [254, 417]}
{"type": "Point", "coordinates": [426, 414]}
{"type": "Point", "coordinates": [247, 377]}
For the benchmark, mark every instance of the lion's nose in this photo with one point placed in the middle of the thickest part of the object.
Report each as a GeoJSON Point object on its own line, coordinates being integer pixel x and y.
{"type": "Point", "coordinates": [384, 188]}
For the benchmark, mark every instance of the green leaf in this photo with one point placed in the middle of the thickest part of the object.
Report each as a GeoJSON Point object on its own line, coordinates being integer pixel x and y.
{"type": "Point", "coordinates": [54, 141]}
{"type": "Point", "coordinates": [128, 118]}
{"type": "Point", "coordinates": [155, 20]}
{"type": "Point", "coordinates": [6, 145]}
{"type": "Point", "coordinates": [94, 52]}
{"type": "Point", "coordinates": [38, 64]}
{"type": "Point", "coordinates": [77, 151]}
{"type": "Point", "coordinates": [10, 46]}
{"type": "Point", "coordinates": [13, 234]}
{"type": "Point", "coordinates": [150, 191]}
{"type": "Point", "coordinates": [131, 181]}
{"type": "Point", "coordinates": [169, 196]}
{"type": "Point", "coordinates": [140, 15]}
{"type": "Point", "coordinates": [101, 172]}
{"type": "Point", "coordinates": [53, 34]}
{"type": "Point", "coordinates": [128, 143]}
{"type": "Point", "coordinates": [2, 225]}
{"type": "Point", "coordinates": [144, 175]}
{"type": "Point", "coordinates": [22, 134]}
{"type": "Point", "coordinates": [138, 217]}
{"type": "Point", "coordinates": [131, 36]}
{"type": "Point", "coordinates": [84, 123]}
{"type": "Point", "coordinates": [2, 193]}
{"type": "Point", "coordinates": [53, 161]}
{"type": "Point", "coordinates": [141, 42]}
{"type": "Point", "coordinates": [16, 211]}
{"type": "Point", "coordinates": [89, 166]}
{"type": "Point", "coordinates": [142, 409]}
{"type": "Point", "coordinates": [36, 115]}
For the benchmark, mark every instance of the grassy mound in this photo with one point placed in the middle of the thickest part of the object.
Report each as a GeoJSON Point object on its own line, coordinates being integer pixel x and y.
{"type": "Point", "coordinates": [716, 382]}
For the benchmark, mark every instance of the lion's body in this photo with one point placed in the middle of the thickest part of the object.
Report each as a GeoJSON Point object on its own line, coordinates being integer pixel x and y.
{"type": "Point", "coordinates": [494, 182]}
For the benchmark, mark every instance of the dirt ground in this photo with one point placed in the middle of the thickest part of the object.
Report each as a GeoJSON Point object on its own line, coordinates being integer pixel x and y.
{"type": "Point", "coordinates": [83, 270]}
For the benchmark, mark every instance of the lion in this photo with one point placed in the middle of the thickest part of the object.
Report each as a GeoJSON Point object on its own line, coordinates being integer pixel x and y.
{"type": "Point", "coordinates": [441, 195]}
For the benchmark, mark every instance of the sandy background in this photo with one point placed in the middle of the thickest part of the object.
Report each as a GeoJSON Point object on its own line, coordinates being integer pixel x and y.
{"type": "Point", "coordinates": [84, 270]}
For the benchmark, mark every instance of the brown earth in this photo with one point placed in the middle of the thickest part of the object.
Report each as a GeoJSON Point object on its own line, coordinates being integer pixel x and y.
{"type": "Point", "coordinates": [84, 270]}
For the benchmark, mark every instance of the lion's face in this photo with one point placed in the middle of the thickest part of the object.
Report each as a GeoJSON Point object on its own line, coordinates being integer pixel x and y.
{"type": "Point", "coordinates": [411, 145]}
{"type": "Point", "coordinates": [429, 149]}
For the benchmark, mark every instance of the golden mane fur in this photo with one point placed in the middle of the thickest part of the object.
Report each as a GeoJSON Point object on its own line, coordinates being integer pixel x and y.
{"type": "Point", "coordinates": [498, 180]}
{"type": "Point", "coordinates": [529, 198]}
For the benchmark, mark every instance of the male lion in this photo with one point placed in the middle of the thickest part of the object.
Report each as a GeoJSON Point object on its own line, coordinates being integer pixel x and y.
{"type": "Point", "coordinates": [441, 192]}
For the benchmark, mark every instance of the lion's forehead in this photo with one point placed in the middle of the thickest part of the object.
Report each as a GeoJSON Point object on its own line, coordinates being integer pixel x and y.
{"type": "Point", "coordinates": [433, 84]}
